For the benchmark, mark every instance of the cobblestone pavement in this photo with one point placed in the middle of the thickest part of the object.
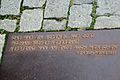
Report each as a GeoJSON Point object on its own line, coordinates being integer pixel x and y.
{"type": "Point", "coordinates": [57, 15]}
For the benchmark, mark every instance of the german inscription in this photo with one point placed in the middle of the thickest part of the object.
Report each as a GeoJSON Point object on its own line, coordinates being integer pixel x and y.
{"type": "Point", "coordinates": [74, 55]}
{"type": "Point", "coordinates": [61, 42]}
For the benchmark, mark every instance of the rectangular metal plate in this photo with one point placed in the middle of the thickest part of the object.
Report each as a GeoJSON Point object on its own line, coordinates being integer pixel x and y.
{"type": "Point", "coordinates": [75, 55]}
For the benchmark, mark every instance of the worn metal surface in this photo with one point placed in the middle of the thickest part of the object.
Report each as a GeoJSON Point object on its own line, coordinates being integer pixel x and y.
{"type": "Point", "coordinates": [61, 63]}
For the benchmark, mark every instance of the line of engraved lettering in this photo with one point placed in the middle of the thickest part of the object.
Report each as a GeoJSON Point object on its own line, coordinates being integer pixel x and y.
{"type": "Point", "coordinates": [16, 37]}
{"type": "Point", "coordinates": [27, 37]}
{"type": "Point", "coordinates": [83, 35]}
{"type": "Point", "coordinates": [45, 42]}
{"type": "Point", "coordinates": [21, 48]}
{"type": "Point", "coordinates": [60, 48]}
{"type": "Point", "coordinates": [22, 43]}
{"type": "Point", "coordinates": [66, 47]}
{"type": "Point", "coordinates": [23, 37]}
{"type": "Point", "coordinates": [42, 48]}
{"type": "Point", "coordinates": [65, 41]}
{"type": "Point", "coordinates": [96, 52]}
{"type": "Point", "coordinates": [56, 42]}
{"type": "Point", "coordinates": [96, 47]}
{"type": "Point", "coordinates": [57, 36]}
{"type": "Point", "coordinates": [40, 37]}
{"type": "Point", "coordinates": [15, 43]}
{"type": "Point", "coordinates": [53, 48]}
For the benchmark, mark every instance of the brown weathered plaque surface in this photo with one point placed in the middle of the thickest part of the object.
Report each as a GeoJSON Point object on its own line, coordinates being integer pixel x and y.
{"type": "Point", "coordinates": [77, 55]}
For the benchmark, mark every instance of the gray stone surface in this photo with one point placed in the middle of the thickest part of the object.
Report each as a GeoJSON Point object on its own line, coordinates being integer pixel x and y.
{"type": "Point", "coordinates": [83, 1]}
{"type": "Point", "coordinates": [2, 40]}
{"type": "Point", "coordinates": [31, 20]}
{"type": "Point", "coordinates": [54, 25]}
{"type": "Point", "coordinates": [8, 25]}
{"type": "Point", "coordinates": [34, 3]}
{"type": "Point", "coordinates": [108, 6]}
{"type": "Point", "coordinates": [107, 22]}
{"type": "Point", "coordinates": [80, 16]}
{"type": "Point", "coordinates": [10, 7]}
{"type": "Point", "coordinates": [56, 8]}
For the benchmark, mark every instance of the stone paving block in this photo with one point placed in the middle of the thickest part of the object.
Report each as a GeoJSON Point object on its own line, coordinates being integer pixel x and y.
{"type": "Point", "coordinates": [31, 20]}
{"type": "Point", "coordinates": [108, 6]}
{"type": "Point", "coordinates": [10, 7]}
{"type": "Point", "coordinates": [80, 16]}
{"type": "Point", "coordinates": [54, 25]}
{"type": "Point", "coordinates": [107, 22]}
{"type": "Point", "coordinates": [83, 1]}
{"type": "Point", "coordinates": [2, 40]}
{"type": "Point", "coordinates": [34, 3]}
{"type": "Point", "coordinates": [8, 25]}
{"type": "Point", "coordinates": [56, 8]}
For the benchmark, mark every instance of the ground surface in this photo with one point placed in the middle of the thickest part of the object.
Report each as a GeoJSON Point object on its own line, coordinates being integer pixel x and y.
{"type": "Point", "coordinates": [57, 15]}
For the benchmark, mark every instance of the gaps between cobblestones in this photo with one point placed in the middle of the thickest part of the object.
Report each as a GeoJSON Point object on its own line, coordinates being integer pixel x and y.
{"type": "Point", "coordinates": [70, 29]}
{"type": "Point", "coordinates": [44, 5]}
{"type": "Point", "coordinates": [31, 8]}
{"type": "Point", "coordinates": [54, 18]}
{"type": "Point", "coordinates": [74, 29]}
{"type": "Point", "coordinates": [84, 3]}
{"type": "Point", "coordinates": [107, 14]}
{"type": "Point", "coordinates": [0, 3]}
{"type": "Point", "coordinates": [2, 31]}
{"type": "Point", "coordinates": [68, 14]}
{"type": "Point", "coordinates": [107, 29]}
{"type": "Point", "coordinates": [22, 8]}
{"type": "Point", "coordinates": [93, 15]}
{"type": "Point", "coordinates": [50, 18]}
{"type": "Point", "coordinates": [17, 25]}
{"type": "Point", "coordinates": [10, 17]}
{"type": "Point", "coordinates": [18, 20]}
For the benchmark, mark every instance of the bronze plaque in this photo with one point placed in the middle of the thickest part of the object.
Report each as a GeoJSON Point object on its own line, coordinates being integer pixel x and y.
{"type": "Point", "coordinates": [75, 55]}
